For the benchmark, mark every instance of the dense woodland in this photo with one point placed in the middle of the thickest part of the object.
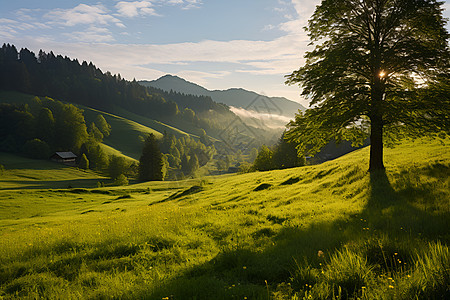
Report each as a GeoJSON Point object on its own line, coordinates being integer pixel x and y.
{"type": "Point", "coordinates": [83, 83]}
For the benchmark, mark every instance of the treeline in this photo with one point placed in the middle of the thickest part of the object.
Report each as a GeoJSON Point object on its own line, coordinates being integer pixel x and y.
{"type": "Point", "coordinates": [83, 83]}
{"type": "Point", "coordinates": [198, 104]}
{"type": "Point", "coordinates": [281, 156]}
{"type": "Point", "coordinates": [172, 158]}
{"type": "Point", "coordinates": [66, 79]}
{"type": "Point", "coordinates": [185, 155]}
{"type": "Point", "coordinates": [42, 127]}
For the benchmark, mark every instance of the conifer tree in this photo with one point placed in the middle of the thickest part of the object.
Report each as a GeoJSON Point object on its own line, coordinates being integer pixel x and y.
{"type": "Point", "coordinates": [84, 162]}
{"type": "Point", "coordinates": [151, 163]}
{"type": "Point", "coordinates": [193, 164]}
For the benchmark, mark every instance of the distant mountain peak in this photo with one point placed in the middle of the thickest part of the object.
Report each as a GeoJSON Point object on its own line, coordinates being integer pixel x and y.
{"type": "Point", "coordinates": [237, 97]}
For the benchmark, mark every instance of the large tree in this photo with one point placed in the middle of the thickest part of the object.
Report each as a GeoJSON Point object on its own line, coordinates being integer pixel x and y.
{"type": "Point", "coordinates": [151, 163]}
{"type": "Point", "coordinates": [378, 67]}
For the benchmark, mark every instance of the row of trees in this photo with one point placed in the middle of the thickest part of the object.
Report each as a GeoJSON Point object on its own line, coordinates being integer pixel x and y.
{"type": "Point", "coordinates": [173, 157]}
{"type": "Point", "coordinates": [283, 155]}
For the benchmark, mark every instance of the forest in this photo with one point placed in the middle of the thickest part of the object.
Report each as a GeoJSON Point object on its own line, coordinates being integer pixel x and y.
{"type": "Point", "coordinates": [83, 83]}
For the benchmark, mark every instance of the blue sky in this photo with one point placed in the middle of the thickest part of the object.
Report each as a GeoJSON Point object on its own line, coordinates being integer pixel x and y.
{"type": "Point", "coordinates": [219, 44]}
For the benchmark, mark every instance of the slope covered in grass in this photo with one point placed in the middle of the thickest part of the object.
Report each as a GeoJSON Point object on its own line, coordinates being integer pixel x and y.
{"type": "Point", "coordinates": [319, 232]}
{"type": "Point", "coordinates": [25, 173]}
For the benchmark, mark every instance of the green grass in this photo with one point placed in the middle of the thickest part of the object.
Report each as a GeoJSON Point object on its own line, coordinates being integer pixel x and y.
{"type": "Point", "coordinates": [126, 135]}
{"type": "Point", "coordinates": [316, 232]}
{"type": "Point", "coordinates": [24, 173]}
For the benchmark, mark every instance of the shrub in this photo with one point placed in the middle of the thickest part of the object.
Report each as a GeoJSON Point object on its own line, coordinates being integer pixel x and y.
{"type": "Point", "coordinates": [84, 162]}
{"type": "Point", "coordinates": [118, 165]}
{"type": "Point", "coordinates": [36, 149]}
{"type": "Point", "coordinates": [264, 161]}
{"type": "Point", "coordinates": [121, 180]}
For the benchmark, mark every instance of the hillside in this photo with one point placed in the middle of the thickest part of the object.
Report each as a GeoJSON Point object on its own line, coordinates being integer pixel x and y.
{"type": "Point", "coordinates": [316, 231]}
{"type": "Point", "coordinates": [23, 173]}
{"type": "Point", "coordinates": [128, 128]}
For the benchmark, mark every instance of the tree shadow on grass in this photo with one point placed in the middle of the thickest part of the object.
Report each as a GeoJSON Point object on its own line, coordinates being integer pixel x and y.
{"type": "Point", "coordinates": [386, 226]}
{"type": "Point", "coordinates": [395, 210]}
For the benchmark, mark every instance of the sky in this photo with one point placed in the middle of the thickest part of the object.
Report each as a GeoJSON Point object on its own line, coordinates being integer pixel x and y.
{"type": "Point", "coordinates": [219, 44]}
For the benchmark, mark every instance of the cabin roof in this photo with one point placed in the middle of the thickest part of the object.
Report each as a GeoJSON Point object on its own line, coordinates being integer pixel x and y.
{"type": "Point", "coordinates": [65, 155]}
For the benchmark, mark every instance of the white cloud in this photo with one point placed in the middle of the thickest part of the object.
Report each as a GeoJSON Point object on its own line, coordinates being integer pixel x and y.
{"type": "Point", "coordinates": [192, 4]}
{"type": "Point", "coordinates": [9, 28]}
{"type": "Point", "coordinates": [82, 14]}
{"type": "Point", "coordinates": [267, 58]}
{"type": "Point", "coordinates": [268, 27]}
{"type": "Point", "coordinates": [136, 8]}
{"type": "Point", "coordinates": [92, 34]}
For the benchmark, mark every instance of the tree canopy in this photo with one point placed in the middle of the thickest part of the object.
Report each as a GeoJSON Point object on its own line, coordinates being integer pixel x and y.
{"type": "Point", "coordinates": [378, 69]}
{"type": "Point", "coordinates": [151, 163]}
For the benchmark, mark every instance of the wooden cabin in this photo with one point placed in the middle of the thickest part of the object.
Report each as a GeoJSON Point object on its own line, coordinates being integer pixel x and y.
{"type": "Point", "coordinates": [67, 158]}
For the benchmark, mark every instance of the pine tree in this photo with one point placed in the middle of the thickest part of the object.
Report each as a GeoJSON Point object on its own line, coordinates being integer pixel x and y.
{"type": "Point", "coordinates": [103, 126]}
{"type": "Point", "coordinates": [185, 164]}
{"type": "Point", "coordinates": [84, 162]}
{"type": "Point", "coordinates": [151, 163]}
{"type": "Point", "coordinates": [193, 164]}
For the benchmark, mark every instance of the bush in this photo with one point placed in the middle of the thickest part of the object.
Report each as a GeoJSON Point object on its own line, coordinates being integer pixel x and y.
{"type": "Point", "coordinates": [245, 167]}
{"type": "Point", "coordinates": [118, 165]}
{"type": "Point", "coordinates": [264, 161]}
{"type": "Point", "coordinates": [121, 180]}
{"type": "Point", "coordinates": [84, 162]}
{"type": "Point", "coordinates": [2, 169]}
{"type": "Point", "coordinates": [36, 149]}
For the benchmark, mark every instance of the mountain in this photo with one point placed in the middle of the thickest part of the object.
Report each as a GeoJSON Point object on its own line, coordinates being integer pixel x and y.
{"type": "Point", "coordinates": [235, 97]}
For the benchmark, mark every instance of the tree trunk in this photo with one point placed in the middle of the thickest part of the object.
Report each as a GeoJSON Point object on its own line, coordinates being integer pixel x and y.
{"type": "Point", "coordinates": [376, 124]}
{"type": "Point", "coordinates": [376, 144]}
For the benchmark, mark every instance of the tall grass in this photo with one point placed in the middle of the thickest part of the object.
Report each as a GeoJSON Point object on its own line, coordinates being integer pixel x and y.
{"type": "Point", "coordinates": [333, 232]}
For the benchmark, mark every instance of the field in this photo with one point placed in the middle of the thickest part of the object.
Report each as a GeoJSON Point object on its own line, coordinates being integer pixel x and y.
{"type": "Point", "coordinates": [330, 231]}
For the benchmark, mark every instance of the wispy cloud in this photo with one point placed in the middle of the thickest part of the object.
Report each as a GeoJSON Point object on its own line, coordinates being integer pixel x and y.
{"type": "Point", "coordinates": [82, 14]}
{"type": "Point", "coordinates": [92, 34]}
{"type": "Point", "coordinates": [190, 4]}
{"type": "Point", "coordinates": [202, 77]}
{"type": "Point", "coordinates": [9, 28]}
{"type": "Point", "coordinates": [90, 31]}
{"type": "Point", "coordinates": [136, 8]}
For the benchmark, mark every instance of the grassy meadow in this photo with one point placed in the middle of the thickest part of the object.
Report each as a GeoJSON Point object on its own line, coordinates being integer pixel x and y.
{"type": "Point", "coordinates": [329, 231]}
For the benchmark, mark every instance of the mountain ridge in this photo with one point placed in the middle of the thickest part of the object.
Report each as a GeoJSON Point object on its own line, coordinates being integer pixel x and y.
{"type": "Point", "coordinates": [237, 97]}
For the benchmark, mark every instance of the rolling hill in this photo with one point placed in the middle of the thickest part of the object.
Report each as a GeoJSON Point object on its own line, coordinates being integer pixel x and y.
{"type": "Point", "coordinates": [128, 129]}
{"type": "Point", "coordinates": [310, 232]}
